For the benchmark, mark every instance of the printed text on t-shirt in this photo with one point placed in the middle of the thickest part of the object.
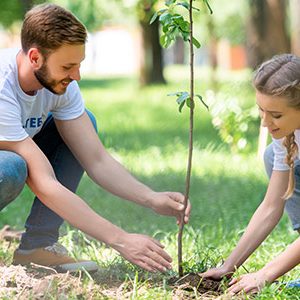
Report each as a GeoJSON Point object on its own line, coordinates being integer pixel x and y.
{"type": "Point", "coordinates": [33, 122]}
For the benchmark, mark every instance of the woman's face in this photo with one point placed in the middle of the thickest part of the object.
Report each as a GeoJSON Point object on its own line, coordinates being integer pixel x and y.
{"type": "Point", "coordinates": [280, 119]}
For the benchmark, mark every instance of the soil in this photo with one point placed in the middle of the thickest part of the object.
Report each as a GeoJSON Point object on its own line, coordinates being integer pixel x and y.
{"type": "Point", "coordinates": [191, 281]}
{"type": "Point", "coordinates": [24, 282]}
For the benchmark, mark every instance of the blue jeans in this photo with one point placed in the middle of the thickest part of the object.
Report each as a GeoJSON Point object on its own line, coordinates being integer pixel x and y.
{"type": "Point", "coordinates": [42, 225]}
{"type": "Point", "coordinates": [292, 205]}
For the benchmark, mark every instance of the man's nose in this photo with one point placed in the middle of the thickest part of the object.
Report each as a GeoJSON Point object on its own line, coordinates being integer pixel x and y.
{"type": "Point", "coordinates": [75, 75]}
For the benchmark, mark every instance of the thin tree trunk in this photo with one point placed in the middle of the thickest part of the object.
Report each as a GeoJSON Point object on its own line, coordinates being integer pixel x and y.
{"type": "Point", "coordinates": [189, 166]}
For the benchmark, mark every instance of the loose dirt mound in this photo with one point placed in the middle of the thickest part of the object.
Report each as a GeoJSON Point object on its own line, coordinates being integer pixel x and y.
{"type": "Point", "coordinates": [193, 281]}
{"type": "Point", "coordinates": [34, 283]}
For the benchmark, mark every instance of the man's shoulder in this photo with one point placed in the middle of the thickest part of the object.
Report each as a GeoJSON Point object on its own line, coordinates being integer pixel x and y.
{"type": "Point", "coordinates": [7, 69]}
{"type": "Point", "coordinates": [8, 55]}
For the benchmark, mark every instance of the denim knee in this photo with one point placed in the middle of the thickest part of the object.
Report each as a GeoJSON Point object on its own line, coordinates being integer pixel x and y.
{"type": "Point", "coordinates": [13, 174]}
{"type": "Point", "coordinates": [269, 159]}
{"type": "Point", "coordinates": [92, 118]}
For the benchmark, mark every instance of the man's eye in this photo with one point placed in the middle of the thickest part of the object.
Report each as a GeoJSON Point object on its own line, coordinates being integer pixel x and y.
{"type": "Point", "coordinates": [277, 116]}
{"type": "Point", "coordinates": [67, 68]}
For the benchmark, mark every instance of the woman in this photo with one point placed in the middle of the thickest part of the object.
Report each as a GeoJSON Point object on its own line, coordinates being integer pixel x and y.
{"type": "Point", "coordinates": [277, 85]}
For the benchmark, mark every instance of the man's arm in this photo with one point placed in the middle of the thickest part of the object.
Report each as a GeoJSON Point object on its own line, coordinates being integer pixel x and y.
{"type": "Point", "coordinates": [82, 139]}
{"type": "Point", "coordinates": [139, 249]}
{"type": "Point", "coordinates": [261, 224]}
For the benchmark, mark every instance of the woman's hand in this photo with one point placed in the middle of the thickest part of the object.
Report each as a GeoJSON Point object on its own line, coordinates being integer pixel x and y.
{"type": "Point", "coordinates": [218, 273]}
{"type": "Point", "coordinates": [248, 283]}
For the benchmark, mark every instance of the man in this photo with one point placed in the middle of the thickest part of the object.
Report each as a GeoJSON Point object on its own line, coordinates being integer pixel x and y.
{"type": "Point", "coordinates": [47, 138]}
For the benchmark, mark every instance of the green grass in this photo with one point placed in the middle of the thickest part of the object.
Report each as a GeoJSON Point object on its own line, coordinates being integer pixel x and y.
{"type": "Point", "coordinates": [143, 129]}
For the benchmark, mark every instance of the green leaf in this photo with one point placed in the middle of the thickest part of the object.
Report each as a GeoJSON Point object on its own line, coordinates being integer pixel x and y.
{"type": "Point", "coordinates": [165, 40]}
{"type": "Point", "coordinates": [184, 4]}
{"type": "Point", "coordinates": [182, 97]}
{"type": "Point", "coordinates": [154, 17]}
{"type": "Point", "coordinates": [169, 2]}
{"type": "Point", "coordinates": [165, 17]}
{"type": "Point", "coordinates": [201, 99]}
{"type": "Point", "coordinates": [185, 35]}
{"type": "Point", "coordinates": [161, 11]}
{"type": "Point", "coordinates": [181, 100]}
{"type": "Point", "coordinates": [208, 6]}
{"type": "Point", "coordinates": [190, 103]}
{"type": "Point", "coordinates": [181, 106]}
{"type": "Point", "coordinates": [195, 8]}
{"type": "Point", "coordinates": [165, 28]}
{"type": "Point", "coordinates": [196, 43]}
{"type": "Point", "coordinates": [184, 25]}
{"type": "Point", "coordinates": [162, 40]}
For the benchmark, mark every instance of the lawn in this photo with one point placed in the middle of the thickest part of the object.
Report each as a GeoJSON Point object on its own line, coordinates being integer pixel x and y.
{"type": "Point", "coordinates": [143, 129]}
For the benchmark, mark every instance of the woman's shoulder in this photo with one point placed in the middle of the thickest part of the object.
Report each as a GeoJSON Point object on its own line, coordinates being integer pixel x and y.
{"type": "Point", "coordinates": [297, 135]}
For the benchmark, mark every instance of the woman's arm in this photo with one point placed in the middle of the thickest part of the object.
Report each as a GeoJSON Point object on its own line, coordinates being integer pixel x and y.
{"type": "Point", "coordinates": [283, 263]}
{"type": "Point", "coordinates": [261, 224]}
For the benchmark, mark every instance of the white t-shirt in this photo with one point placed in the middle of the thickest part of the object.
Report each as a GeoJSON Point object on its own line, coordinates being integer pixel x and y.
{"type": "Point", "coordinates": [280, 152]}
{"type": "Point", "coordinates": [22, 115]}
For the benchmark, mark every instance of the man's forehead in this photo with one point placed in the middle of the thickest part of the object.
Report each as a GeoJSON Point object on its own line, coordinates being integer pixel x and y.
{"type": "Point", "coordinates": [69, 54]}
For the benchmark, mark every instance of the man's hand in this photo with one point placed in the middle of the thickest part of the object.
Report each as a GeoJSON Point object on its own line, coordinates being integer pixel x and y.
{"type": "Point", "coordinates": [217, 273]}
{"type": "Point", "coordinates": [249, 283]}
{"type": "Point", "coordinates": [170, 204]}
{"type": "Point", "coordinates": [145, 252]}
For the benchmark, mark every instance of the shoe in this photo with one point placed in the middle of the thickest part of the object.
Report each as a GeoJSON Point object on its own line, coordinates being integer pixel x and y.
{"type": "Point", "coordinates": [54, 256]}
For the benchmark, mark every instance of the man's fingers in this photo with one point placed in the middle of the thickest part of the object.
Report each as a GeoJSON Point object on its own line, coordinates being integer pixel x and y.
{"type": "Point", "coordinates": [188, 209]}
{"type": "Point", "coordinates": [156, 263]}
{"type": "Point", "coordinates": [176, 197]}
{"type": "Point", "coordinates": [145, 266]}
{"type": "Point", "coordinates": [156, 242]}
{"type": "Point", "coordinates": [163, 254]}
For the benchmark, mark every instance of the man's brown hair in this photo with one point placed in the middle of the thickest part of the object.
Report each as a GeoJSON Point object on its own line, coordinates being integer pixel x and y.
{"type": "Point", "coordinates": [48, 27]}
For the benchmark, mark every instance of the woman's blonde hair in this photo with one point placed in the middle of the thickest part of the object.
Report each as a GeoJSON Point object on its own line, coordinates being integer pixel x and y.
{"type": "Point", "coordinates": [280, 76]}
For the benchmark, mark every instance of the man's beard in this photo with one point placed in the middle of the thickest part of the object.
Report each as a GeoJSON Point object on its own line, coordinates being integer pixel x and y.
{"type": "Point", "coordinates": [42, 75]}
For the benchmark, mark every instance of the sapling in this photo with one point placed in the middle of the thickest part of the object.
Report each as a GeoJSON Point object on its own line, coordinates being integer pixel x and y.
{"type": "Point", "coordinates": [174, 24]}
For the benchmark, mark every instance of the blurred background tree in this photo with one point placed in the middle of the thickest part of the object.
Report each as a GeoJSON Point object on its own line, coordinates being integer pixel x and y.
{"type": "Point", "coordinates": [96, 13]}
{"type": "Point", "coordinates": [267, 32]}
{"type": "Point", "coordinates": [264, 28]}
{"type": "Point", "coordinates": [151, 68]}
{"type": "Point", "coordinates": [240, 35]}
{"type": "Point", "coordinates": [13, 11]}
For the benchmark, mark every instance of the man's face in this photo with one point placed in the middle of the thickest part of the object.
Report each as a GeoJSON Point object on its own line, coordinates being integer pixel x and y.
{"type": "Point", "coordinates": [61, 67]}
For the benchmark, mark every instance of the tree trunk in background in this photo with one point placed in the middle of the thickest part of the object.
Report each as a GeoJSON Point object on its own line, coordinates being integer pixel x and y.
{"type": "Point", "coordinates": [179, 51]}
{"type": "Point", "coordinates": [151, 69]}
{"type": "Point", "coordinates": [213, 56]}
{"type": "Point", "coordinates": [295, 26]}
{"type": "Point", "coordinates": [266, 30]}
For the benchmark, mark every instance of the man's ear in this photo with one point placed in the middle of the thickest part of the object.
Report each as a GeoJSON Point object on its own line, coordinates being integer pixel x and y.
{"type": "Point", "coordinates": [36, 58]}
